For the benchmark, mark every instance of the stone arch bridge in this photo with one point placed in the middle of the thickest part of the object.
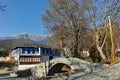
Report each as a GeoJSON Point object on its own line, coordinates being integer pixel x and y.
{"type": "Point", "coordinates": [58, 65]}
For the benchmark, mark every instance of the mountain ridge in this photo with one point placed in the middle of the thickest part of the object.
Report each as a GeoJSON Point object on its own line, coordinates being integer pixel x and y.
{"type": "Point", "coordinates": [22, 39]}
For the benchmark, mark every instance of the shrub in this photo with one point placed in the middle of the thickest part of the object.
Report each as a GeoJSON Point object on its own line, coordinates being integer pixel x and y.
{"type": "Point", "coordinates": [4, 53]}
{"type": "Point", "coordinates": [8, 64]}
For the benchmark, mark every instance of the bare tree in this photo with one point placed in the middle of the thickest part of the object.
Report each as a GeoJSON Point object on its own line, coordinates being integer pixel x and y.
{"type": "Point", "coordinates": [104, 9]}
{"type": "Point", "coordinates": [77, 24]}
{"type": "Point", "coordinates": [66, 20]}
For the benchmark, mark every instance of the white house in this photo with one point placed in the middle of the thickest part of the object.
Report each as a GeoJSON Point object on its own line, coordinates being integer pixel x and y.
{"type": "Point", "coordinates": [85, 52]}
{"type": "Point", "coordinates": [30, 56]}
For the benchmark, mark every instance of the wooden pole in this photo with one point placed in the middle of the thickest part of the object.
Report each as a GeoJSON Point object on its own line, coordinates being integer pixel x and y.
{"type": "Point", "coordinates": [112, 42]}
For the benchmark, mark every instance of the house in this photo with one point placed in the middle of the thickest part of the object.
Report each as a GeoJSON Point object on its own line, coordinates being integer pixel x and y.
{"type": "Point", "coordinates": [67, 52]}
{"type": "Point", "coordinates": [117, 49]}
{"type": "Point", "coordinates": [117, 52]}
{"type": "Point", "coordinates": [30, 56]}
{"type": "Point", "coordinates": [85, 52]}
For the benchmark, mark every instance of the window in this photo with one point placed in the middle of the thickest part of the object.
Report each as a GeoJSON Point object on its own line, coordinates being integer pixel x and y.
{"type": "Point", "coordinates": [33, 59]}
{"type": "Point", "coordinates": [28, 50]}
{"type": "Point", "coordinates": [36, 50]}
{"type": "Point", "coordinates": [37, 59]}
{"type": "Point", "coordinates": [23, 51]}
{"type": "Point", "coordinates": [43, 50]}
{"type": "Point", "coordinates": [50, 51]}
{"type": "Point", "coordinates": [21, 59]}
{"type": "Point", "coordinates": [28, 59]}
{"type": "Point", "coordinates": [24, 59]}
{"type": "Point", "coordinates": [47, 51]}
{"type": "Point", "coordinates": [33, 51]}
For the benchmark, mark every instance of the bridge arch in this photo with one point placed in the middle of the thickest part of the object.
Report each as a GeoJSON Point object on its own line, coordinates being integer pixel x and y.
{"type": "Point", "coordinates": [59, 68]}
{"type": "Point", "coordinates": [59, 60]}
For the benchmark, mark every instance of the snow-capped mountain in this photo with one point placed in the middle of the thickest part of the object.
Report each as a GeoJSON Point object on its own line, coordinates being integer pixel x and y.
{"type": "Point", "coordinates": [23, 39]}
{"type": "Point", "coordinates": [30, 37]}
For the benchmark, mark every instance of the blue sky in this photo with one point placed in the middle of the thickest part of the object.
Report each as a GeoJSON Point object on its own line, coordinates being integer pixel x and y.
{"type": "Point", "coordinates": [22, 16]}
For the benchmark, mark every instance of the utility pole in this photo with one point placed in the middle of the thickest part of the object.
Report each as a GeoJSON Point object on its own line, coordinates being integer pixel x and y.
{"type": "Point", "coordinates": [112, 42]}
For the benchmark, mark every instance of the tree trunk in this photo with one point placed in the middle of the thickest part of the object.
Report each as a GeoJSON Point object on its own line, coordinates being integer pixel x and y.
{"type": "Point", "coordinates": [100, 48]}
{"type": "Point", "coordinates": [62, 48]}
{"type": "Point", "coordinates": [75, 51]}
{"type": "Point", "coordinates": [101, 52]}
